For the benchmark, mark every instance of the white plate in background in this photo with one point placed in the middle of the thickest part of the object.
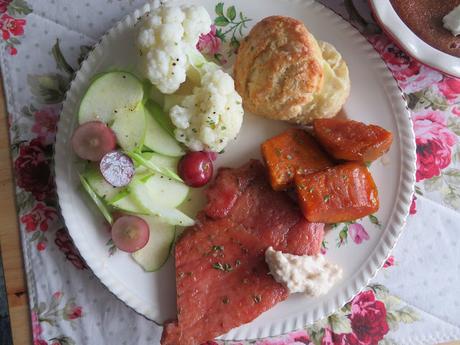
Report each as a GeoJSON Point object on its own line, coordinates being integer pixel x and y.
{"type": "Point", "coordinates": [405, 38]}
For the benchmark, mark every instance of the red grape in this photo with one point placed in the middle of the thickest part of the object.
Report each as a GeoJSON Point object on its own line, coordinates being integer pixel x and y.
{"type": "Point", "coordinates": [130, 233]}
{"type": "Point", "coordinates": [212, 155]}
{"type": "Point", "coordinates": [195, 168]}
{"type": "Point", "coordinates": [92, 140]}
{"type": "Point", "coordinates": [117, 168]}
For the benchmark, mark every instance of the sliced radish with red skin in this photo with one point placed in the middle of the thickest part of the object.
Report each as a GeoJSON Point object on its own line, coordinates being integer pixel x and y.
{"type": "Point", "coordinates": [130, 233]}
{"type": "Point", "coordinates": [92, 140]}
{"type": "Point", "coordinates": [117, 168]}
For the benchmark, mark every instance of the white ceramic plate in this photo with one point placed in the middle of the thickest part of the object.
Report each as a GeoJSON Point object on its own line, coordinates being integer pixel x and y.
{"type": "Point", "coordinates": [392, 24]}
{"type": "Point", "coordinates": [375, 98]}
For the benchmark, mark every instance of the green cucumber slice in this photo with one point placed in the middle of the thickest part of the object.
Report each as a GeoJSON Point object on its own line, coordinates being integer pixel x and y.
{"type": "Point", "coordinates": [169, 215]}
{"type": "Point", "coordinates": [101, 187]}
{"type": "Point", "coordinates": [129, 127]}
{"type": "Point", "coordinates": [158, 140]}
{"type": "Point", "coordinates": [155, 95]}
{"type": "Point", "coordinates": [162, 161]}
{"type": "Point", "coordinates": [125, 202]}
{"type": "Point", "coordinates": [157, 250]}
{"type": "Point", "coordinates": [109, 92]}
{"type": "Point", "coordinates": [160, 116]}
{"type": "Point", "coordinates": [195, 58]}
{"type": "Point", "coordinates": [155, 165]}
{"type": "Point", "coordinates": [99, 203]}
{"type": "Point", "coordinates": [165, 191]}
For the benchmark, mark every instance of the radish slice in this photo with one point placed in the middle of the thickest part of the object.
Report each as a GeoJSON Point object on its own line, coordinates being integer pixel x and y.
{"type": "Point", "coordinates": [117, 168]}
{"type": "Point", "coordinates": [92, 140]}
{"type": "Point", "coordinates": [130, 233]}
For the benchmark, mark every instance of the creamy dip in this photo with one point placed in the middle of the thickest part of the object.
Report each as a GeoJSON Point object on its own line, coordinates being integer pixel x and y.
{"type": "Point", "coordinates": [452, 21]}
{"type": "Point", "coordinates": [311, 275]}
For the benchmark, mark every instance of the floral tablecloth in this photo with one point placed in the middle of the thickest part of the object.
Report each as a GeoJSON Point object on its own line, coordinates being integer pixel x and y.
{"type": "Point", "coordinates": [413, 300]}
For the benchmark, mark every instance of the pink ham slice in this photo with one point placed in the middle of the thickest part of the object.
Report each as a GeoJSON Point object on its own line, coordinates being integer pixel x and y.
{"type": "Point", "coordinates": [222, 279]}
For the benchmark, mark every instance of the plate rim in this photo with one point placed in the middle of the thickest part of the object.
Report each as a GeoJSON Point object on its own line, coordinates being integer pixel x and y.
{"type": "Point", "coordinates": [370, 266]}
{"type": "Point", "coordinates": [409, 42]}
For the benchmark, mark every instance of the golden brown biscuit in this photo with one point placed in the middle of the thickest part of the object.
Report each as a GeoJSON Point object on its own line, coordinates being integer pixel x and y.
{"type": "Point", "coordinates": [278, 68]}
{"type": "Point", "coordinates": [335, 91]}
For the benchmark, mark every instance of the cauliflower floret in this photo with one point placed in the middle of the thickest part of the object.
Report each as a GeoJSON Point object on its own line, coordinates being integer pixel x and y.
{"type": "Point", "coordinates": [210, 117]}
{"type": "Point", "coordinates": [171, 32]}
{"type": "Point", "coordinates": [196, 22]}
{"type": "Point", "coordinates": [166, 36]}
{"type": "Point", "coordinates": [173, 14]}
{"type": "Point", "coordinates": [168, 66]}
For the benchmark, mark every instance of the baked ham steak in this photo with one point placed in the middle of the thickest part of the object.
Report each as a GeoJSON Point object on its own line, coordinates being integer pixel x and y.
{"type": "Point", "coordinates": [222, 279]}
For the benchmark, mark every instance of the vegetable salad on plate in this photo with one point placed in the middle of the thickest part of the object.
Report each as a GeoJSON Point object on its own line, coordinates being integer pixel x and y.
{"type": "Point", "coordinates": [156, 135]}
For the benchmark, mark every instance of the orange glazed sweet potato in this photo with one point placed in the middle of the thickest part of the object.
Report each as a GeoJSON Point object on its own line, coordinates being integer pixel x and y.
{"type": "Point", "coordinates": [352, 140]}
{"type": "Point", "coordinates": [292, 152]}
{"type": "Point", "coordinates": [340, 194]}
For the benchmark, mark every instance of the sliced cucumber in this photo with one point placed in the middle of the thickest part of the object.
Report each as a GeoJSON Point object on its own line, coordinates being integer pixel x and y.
{"type": "Point", "coordinates": [160, 116]}
{"type": "Point", "coordinates": [129, 128]}
{"type": "Point", "coordinates": [151, 165]}
{"type": "Point", "coordinates": [195, 58]}
{"type": "Point", "coordinates": [125, 202]}
{"type": "Point", "coordinates": [101, 187]}
{"type": "Point", "coordinates": [155, 95]}
{"type": "Point", "coordinates": [165, 191]}
{"type": "Point", "coordinates": [99, 203]}
{"type": "Point", "coordinates": [169, 215]}
{"type": "Point", "coordinates": [162, 160]}
{"type": "Point", "coordinates": [156, 252]}
{"type": "Point", "coordinates": [158, 140]}
{"type": "Point", "coordinates": [109, 92]}
{"type": "Point", "coordinates": [196, 200]}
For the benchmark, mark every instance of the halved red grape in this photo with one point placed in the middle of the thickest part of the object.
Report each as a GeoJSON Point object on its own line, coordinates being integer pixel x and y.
{"type": "Point", "coordinates": [195, 168]}
{"type": "Point", "coordinates": [92, 140]}
{"type": "Point", "coordinates": [117, 168]}
{"type": "Point", "coordinates": [130, 233]}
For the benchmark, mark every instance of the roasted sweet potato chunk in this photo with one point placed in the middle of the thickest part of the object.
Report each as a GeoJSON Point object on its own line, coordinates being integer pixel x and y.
{"type": "Point", "coordinates": [352, 140]}
{"type": "Point", "coordinates": [339, 194]}
{"type": "Point", "coordinates": [292, 152]}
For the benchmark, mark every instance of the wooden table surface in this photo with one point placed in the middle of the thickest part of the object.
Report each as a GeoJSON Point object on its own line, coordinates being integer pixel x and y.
{"type": "Point", "coordinates": [10, 243]}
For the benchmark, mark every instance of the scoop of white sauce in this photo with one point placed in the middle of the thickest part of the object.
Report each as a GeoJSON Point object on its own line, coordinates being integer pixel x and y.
{"type": "Point", "coordinates": [452, 21]}
{"type": "Point", "coordinates": [311, 275]}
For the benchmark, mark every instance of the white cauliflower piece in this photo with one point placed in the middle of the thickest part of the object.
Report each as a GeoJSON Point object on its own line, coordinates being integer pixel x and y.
{"type": "Point", "coordinates": [196, 22]}
{"type": "Point", "coordinates": [166, 36]}
{"type": "Point", "coordinates": [210, 117]}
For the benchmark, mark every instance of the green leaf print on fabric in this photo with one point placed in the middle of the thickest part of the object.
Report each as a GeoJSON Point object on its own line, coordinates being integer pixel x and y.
{"type": "Point", "coordinates": [50, 314]}
{"type": "Point", "coordinates": [49, 88]}
{"type": "Point", "coordinates": [60, 60]}
{"type": "Point", "coordinates": [453, 123]}
{"type": "Point", "coordinates": [19, 7]}
{"type": "Point", "coordinates": [367, 309]}
{"type": "Point", "coordinates": [340, 323]}
{"type": "Point", "coordinates": [55, 311]}
{"type": "Point", "coordinates": [427, 98]}
{"type": "Point", "coordinates": [448, 185]}
{"type": "Point", "coordinates": [62, 340]}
